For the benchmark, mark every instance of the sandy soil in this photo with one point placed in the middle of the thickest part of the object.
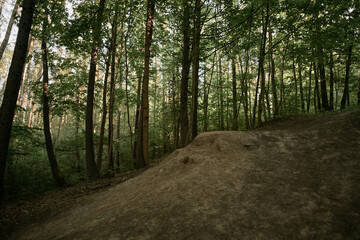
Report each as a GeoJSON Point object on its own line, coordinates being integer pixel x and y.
{"type": "Point", "coordinates": [297, 178]}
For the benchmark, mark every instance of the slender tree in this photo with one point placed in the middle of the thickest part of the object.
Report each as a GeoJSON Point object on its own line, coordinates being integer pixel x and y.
{"type": "Point", "coordinates": [142, 148]}
{"type": "Point", "coordinates": [59, 179]}
{"type": "Point", "coordinates": [195, 69]}
{"type": "Point", "coordinates": [234, 91]}
{"type": "Point", "coordinates": [346, 96]}
{"type": "Point", "coordinates": [8, 105]}
{"type": "Point", "coordinates": [261, 64]}
{"type": "Point", "coordinates": [91, 169]}
{"type": "Point", "coordinates": [183, 117]}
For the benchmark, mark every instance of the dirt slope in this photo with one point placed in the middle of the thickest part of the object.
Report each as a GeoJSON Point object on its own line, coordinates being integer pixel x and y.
{"type": "Point", "coordinates": [292, 179]}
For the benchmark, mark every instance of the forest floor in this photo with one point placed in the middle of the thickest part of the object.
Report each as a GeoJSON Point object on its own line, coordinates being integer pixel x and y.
{"type": "Point", "coordinates": [294, 178]}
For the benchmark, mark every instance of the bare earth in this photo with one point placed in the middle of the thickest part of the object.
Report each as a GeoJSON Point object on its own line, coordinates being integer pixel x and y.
{"type": "Point", "coordinates": [297, 178]}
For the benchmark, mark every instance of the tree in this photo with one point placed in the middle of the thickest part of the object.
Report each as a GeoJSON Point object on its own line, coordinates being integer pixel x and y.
{"type": "Point", "coordinates": [183, 117]}
{"type": "Point", "coordinates": [195, 69]}
{"type": "Point", "coordinates": [92, 170]}
{"type": "Point", "coordinates": [8, 105]}
{"type": "Point", "coordinates": [142, 147]}
{"type": "Point", "coordinates": [59, 179]}
{"type": "Point", "coordinates": [345, 98]}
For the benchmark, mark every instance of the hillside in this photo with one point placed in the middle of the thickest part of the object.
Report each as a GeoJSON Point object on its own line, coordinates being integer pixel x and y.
{"type": "Point", "coordinates": [296, 178]}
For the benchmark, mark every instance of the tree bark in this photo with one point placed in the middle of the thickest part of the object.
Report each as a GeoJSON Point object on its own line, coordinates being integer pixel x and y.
{"type": "Point", "coordinates": [316, 90]}
{"type": "Point", "coordinates": [91, 169]}
{"type": "Point", "coordinates": [8, 105]}
{"type": "Point", "coordinates": [302, 101]}
{"type": "Point", "coordinates": [295, 82]}
{"type": "Point", "coordinates": [321, 65]}
{"type": "Point", "coordinates": [234, 92]}
{"type": "Point", "coordinates": [346, 98]}
{"type": "Point", "coordinates": [103, 117]}
{"type": "Point", "coordinates": [261, 64]}
{"type": "Point", "coordinates": [196, 62]}
{"type": "Point", "coordinates": [59, 179]}
{"type": "Point", "coordinates": [142, 148]}
{"type": "Point", "coordinates": [110, 156]}
{"type": "Point", "coordinates": [273, 80]}
{"type": "Point", "coordinates": [331, 105]}
{"type": "Point", "coordinates": [183, 117]}
{"type": "Point", "coordinates": [309, 91]}
{"type": "Point", "coordinates": [8, 30]}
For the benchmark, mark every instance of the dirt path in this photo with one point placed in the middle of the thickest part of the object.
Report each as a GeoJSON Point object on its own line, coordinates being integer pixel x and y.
{"type": "Point", "coordinates": [292, 179]}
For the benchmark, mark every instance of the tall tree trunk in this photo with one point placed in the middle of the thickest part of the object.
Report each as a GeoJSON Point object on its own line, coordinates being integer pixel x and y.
{"type": "Point", "coordinates": [110, 156]}
{"type": "Point", "coordinates": [234, 92]}
{"type": "Point", "coordinates": [137, 114]}
{"type": "Point", "coordinates": [173, 106]}
{"type": "Point", "coordinates": [207, 86]}
{"type": "Point", "coordinates": [127, 103]}
{"type": "Point", "coordinates": [282, 86]}
{"type": "Point", "coordinates": [8, 30]}
{"type": "Point", "coordinates": [183, 117]}
{"type": "Point", "coordinates": [142, 148]}
{"type": "Point", "coordinates": [221, 96]}
{"type": "Point", "coordinates": [273, 80]}
{"type": "Point", "coordinates": [309, 91]}
{"type": "Point", "coordinates": [331, 105]}
{"type": "Point", "coordinates": [196, 62]}
{"type": "Point", "coordinates": [302, 101]}
{"type": "Point", "coordinates": [296, 87]}
{"type": "Point", "coordinates": [321, 65]}
{"type": "Point", "coordinates": [8, 105]}
{"type": "Point", "coordinates": [345, 98]}
{"type": "Point", "coordinates": [91, 169]}
{"type": "Point", "coordinates": [59, 179]}
{"type": "Point", "coordinates": [117, 152]}
{"type": "Point", "coordinates": [261, 64]}
{"type": "Point", "coordinates": [358, 93]}
{"type": "Point", "coordinates": [267, 92]}
{"type": "Point", "coordinates": [316, 90]}
{"type": "Point", "coordinates": [103, 117]}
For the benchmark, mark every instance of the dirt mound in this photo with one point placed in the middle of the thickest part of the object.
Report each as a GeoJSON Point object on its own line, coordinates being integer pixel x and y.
{"type": "Point", "coordinates": [272, 183]}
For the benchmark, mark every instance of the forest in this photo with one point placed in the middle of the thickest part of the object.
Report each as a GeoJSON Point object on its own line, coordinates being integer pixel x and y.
{"type": "Point", "coordinates": [93, 88]}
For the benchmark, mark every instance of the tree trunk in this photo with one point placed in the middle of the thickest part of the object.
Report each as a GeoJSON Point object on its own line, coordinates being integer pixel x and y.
{"type": "Point", "coordinates": [91, 169]}
{"type": "Point", "coordinates": [142, 148]}
{"type": "Point", "coordinates": [295, 81]}
{"type": "Point", "coordinates": [221, 96]}
{"type": "Point", "coordinates": [282, 86]}
{"type": "Point", "coordinates": [183, 117]}
{"type": "Point", "coordinates": [261, 64]}
{"type": "Point", "coordinates": [196, 62]}
{"type": "Point", "coordinates": [59, 179]}
{"type": "Point", "coordinates": [137, 115]}
{"type": "Point", "coordinates": [127, 104]}
{"type": "Point", "coordinates": [309, 91]}
{"type": "Point", "coordinates": [8, 105]}
{"type": "Point", "coordinates": [302, 101]}
{"type": "Point", "coordinates": [207, 86]}
{"type": "Point", "coordinates": [235, 113]}
{"type": "Point", "coordinates": [103, 117]}
{"type": "Point", "coordinates": [345, 98]}
{"type": "Point", "coordinates": [110, 156]}
{"type": "Point", "coordinates": [324, 98]}
{"type": "Point", "coordinates": [316, 90]}
{"type": "Point", "coordinates": [8, 30]}
{"type": "Point", "coordinates": [273, 80]}
{"type": "Point", "coordinates": [331, 105]}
